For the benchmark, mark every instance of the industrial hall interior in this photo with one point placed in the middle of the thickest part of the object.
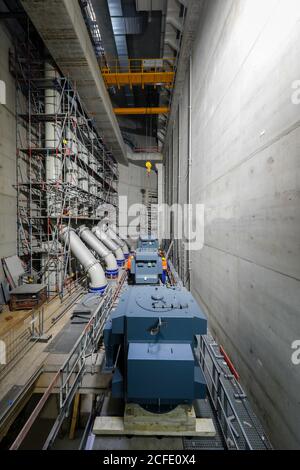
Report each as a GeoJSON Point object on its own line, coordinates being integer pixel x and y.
{"type": "Point", "coordinates": [149, 226]}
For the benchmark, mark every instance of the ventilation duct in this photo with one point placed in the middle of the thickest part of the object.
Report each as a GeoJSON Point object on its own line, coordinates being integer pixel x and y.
{"type": "Point", "coordinates": [122, 26]}
{"type": "Point", "coordinates": [150, 5]}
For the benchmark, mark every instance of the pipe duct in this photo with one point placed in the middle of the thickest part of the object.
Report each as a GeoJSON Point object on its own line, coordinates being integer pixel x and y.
{"type": "Point", "coordinates": [110, 244]}
{"type": "Point", "coordinates": [52, 140]}
{"type": "Point", "coordinates": [95, 244]}
{"type": "Point", "coordinates": [113, 236]}
{"type": "Point", "coordinates": [92, 267]}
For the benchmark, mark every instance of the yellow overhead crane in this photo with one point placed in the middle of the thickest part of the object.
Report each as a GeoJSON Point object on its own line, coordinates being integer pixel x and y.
{"type": "Point", "coordinates": [139, 72]}
{"type": "Point", "coordinates": [124, 111]}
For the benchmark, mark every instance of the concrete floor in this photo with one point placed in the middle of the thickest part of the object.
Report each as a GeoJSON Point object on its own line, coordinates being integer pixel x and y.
{"type": "Point", "coordinates": [137, 443]}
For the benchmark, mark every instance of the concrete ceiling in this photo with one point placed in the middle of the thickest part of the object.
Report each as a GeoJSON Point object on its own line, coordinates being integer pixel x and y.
{"type": "Point", "coordinates": [62, 28]}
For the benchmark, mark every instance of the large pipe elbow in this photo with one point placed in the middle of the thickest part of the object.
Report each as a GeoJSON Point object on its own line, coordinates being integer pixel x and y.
{"type": "Point", "coordinates": [104, 253]}
{"type": "Point", "coordinates": [93, 268]}
{"type": "Point", "coordinates": [122, 244]}
{"type": "Point", "coordinates": [113, 236]}
{"type": "Point", "coordinates": [110, 244]}
{"type": "Point", "coordinates": [112, 269]}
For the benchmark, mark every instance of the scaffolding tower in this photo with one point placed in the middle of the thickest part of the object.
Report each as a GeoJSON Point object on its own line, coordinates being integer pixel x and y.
{"type": "Point", "coordinates": [65, 173]}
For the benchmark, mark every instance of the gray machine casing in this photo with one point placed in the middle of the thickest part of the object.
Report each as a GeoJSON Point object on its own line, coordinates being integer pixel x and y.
{"type": "Point", "coordinates": [154, 329]}
{"type": "Point", "coordinates": [148, 242]}
{"type": "Point", "coordinates": [146, 267]}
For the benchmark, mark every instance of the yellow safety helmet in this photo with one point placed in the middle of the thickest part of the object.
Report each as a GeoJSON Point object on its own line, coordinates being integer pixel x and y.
{"type": "Point", "coordinates": [149, 166]}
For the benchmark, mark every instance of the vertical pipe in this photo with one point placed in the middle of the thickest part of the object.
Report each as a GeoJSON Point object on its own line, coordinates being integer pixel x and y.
{"type": "Point", "coordinates": [189, 171]}
{"type": "Point", "coordinates": [83, 178]}
{"type": "Point", "coordinates": [179, 241]}
{"type": "Point", "coordinates": [52, 140]}
{"type": "Point", "coordinates": [71, 165]}
{"type": "Point", "coordinates": [53, 167]}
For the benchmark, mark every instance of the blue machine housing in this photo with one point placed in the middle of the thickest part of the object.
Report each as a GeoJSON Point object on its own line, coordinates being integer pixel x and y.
{"type": "Point", "coordinates": [146, 267]}
{"type": "Point", "coordinates": [153, 332]}
{"type": "Point", "coordinates": [148, 242]}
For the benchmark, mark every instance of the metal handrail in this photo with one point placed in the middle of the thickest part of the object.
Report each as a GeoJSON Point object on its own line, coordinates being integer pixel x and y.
{"type": "Point", "coordinates": [86, 343]}
{"type": "Point", "coordinates": [221, 399]}
{"type": "Point", "coordinates": [155, 65]}
{"type": "Point", "coordinates": [72, 369]}
{"type": "Point", "coordinates": [74, 366]}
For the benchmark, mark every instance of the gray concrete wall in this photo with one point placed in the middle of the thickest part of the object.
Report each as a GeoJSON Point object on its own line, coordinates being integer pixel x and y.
{"type": "Point", "coordinates": [8, 205]}
{"type": "Point", "coordinates": [246, 170]}
{"type": "Point", "coordinates": [132, 180]}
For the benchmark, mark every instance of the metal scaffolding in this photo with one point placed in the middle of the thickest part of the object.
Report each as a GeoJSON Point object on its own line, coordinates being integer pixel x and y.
{"type": "Point", "coordinates": [65, 173]}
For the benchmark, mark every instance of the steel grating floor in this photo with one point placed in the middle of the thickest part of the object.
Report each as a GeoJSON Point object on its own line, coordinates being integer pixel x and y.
{"type": "Point", "coordinates": [204, 409]}
{"type": "Point", "coordinates": [65, 340]}
{"type": "Point", "coordinates": [244, 412]}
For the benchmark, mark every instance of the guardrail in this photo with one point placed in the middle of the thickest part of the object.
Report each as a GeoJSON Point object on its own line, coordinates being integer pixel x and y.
{"type": "Point", "coordinates": [72, 370]}
{"type": "Point", "coordinates": [117, 65]}
{"type": "Point", "coordinates": [240, 426]}
{"type": "Point", "coordinates": [231, 426]}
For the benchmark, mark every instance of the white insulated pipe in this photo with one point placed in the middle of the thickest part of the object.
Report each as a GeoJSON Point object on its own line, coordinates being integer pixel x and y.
{"type": "Point", "coordinates": [110, 244]}
{"type": "Point", "coordinates": [122, 244]}
{"type": "Point", "coordinates": [113, 236]}
{"type": "Point", "coordinates": [52, 139]}
{"type": "Point", "coordinates": [52, 130]}
{"type": "Point", "coordinates": [95, 244]}
{"type": "Point", "coordinates": [93, 268]}
{"type": "Point", "coordinates": [71, 166]}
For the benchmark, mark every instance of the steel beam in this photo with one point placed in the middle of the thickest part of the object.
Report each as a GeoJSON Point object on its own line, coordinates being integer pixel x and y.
{"type": "Point", "coordinates": [127, 111]}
